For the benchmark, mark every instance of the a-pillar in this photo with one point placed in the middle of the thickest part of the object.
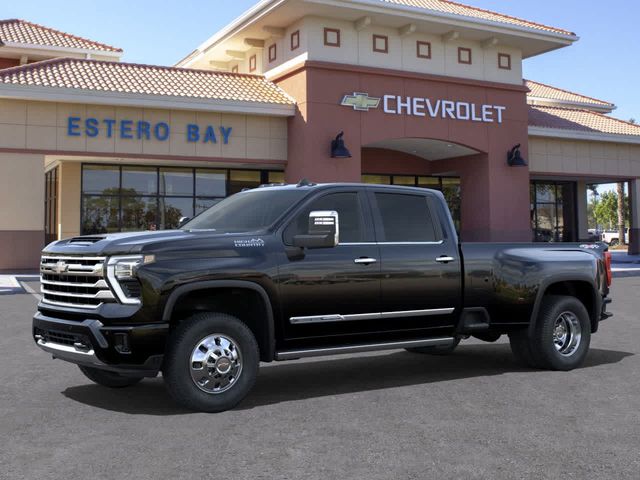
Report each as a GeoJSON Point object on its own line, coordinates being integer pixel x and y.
{"type": "Point", "coordinates": [634, 231]}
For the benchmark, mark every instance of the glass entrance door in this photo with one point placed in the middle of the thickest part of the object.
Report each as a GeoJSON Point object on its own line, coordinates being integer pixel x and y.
{"type": "Point", "coordinates": [553, 211]}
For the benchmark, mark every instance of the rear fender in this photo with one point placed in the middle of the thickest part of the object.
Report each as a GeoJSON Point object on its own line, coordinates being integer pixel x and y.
{"type": "Point", "coordinates": [596, 299]}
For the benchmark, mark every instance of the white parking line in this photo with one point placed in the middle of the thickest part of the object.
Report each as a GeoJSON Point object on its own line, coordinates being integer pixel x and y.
{"type": "Point", "coordinates": [31, 291]}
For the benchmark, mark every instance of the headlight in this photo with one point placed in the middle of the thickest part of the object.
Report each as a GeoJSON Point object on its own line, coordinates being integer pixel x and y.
{"type": "Point", "coordinates": [121, 272]}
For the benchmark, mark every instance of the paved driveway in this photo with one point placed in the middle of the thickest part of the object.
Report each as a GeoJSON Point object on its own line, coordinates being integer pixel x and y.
{"type": "Point", "coordinates": [375, 416]}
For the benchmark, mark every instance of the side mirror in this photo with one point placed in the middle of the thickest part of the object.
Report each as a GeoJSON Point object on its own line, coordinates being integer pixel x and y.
{"type": "Point", "coordinates": [324, 231]}
{"type": "Point", "coordinates": [183, 220]}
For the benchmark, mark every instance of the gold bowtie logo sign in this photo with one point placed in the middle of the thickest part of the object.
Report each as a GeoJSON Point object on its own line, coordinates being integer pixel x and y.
{"type": "Point", "coordinates": [361, 102]}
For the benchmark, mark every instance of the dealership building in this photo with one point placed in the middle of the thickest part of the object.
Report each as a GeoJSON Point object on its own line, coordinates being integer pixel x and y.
{"type": "Point", "coordinates": [428, 93]}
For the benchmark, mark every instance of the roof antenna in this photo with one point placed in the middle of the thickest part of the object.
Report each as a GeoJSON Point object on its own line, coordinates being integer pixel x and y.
{"type": "Point", "coordinates": [305, 183]}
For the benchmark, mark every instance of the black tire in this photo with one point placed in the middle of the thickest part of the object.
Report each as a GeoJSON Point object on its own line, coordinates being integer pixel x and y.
{"type": "Point", "coordinates": [108, 379]}
{"type": "Point", "coordinates": [440, 350]}
{"type": "Point", "coordinates": [542, 345]}
{"type": "Point", "coordinates": [614, 242]}
{"type": "Point", "coordinates": [177, 362]}
{"type": "Point", "coordinates": [539, 348]}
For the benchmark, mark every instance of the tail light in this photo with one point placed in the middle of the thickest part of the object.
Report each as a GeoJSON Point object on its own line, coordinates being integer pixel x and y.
{"type": "Point", "coordinates": [607, 266]}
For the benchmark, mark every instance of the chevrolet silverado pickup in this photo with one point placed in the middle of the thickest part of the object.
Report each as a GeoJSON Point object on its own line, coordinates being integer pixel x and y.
{"type": "Point", "coordinates": [283, 272]}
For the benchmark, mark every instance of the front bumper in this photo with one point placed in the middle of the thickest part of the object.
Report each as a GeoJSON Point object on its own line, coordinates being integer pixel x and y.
{"type": "Point", "coordinates": [128, 350]}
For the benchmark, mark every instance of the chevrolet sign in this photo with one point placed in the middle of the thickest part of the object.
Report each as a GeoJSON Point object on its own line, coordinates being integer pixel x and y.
{"type": "Point", "coordinates": [427, 107]}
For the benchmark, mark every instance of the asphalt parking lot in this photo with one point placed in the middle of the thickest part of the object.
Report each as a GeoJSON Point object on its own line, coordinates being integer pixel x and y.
{"type": "Point", "coordinates": [473, 415]}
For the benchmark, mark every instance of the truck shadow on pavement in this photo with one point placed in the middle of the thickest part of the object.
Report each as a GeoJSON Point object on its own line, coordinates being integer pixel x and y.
{"type": "Point", "coordinates": [285, 382]}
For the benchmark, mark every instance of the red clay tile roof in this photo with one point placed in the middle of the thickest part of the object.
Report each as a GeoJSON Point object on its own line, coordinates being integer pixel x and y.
{"type": "Point", "coordinates": [579, 120]}
{"type": "Point", "coordinates": [554, 93]}
{"type": "Point", "coordinates": [117, 77]}
{"type": "Point", "coordinates": [21, 31]}
{"type": "Point", "coordinates": [446, 6]}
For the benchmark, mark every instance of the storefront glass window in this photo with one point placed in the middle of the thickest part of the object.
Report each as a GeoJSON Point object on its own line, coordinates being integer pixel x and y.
{"type": "Point", "coordinates": [176, 181]}
{"type": "Point", "coordinates": [101, 179]}
{"type": "Point", "coordinates": [100, 214]}
{"type": "Point", "coordinates": [276, 177]}
{"type": "Point", "coordinates": [404, 180]}
{"type": "Point", "coordinates": [131, 198]}
{"type": "Point", "coordinates": [241, 179]}
{"type": "Point", "coordinates": [211, 183]}
{"type": "Point", "coordinates": [377, 179]}
{"type": "Point", "coordinates": [139, 213]}
{"type": "Point", "coordinates": [553, 208]}
{"type": "Point", "coordinates": [139, 181]}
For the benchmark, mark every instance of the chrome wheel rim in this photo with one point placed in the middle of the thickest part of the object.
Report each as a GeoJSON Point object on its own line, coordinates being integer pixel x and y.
{"type": "Point", "coordinates": [216, 363]}
{"type": "Point", "coordinates": [567, 333]}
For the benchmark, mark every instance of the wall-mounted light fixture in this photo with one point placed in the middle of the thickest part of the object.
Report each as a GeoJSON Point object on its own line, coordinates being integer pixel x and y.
{"type": "Point", "coordinates": [514, 158]}
{"type": "Point", "coordinates": [338, 149]}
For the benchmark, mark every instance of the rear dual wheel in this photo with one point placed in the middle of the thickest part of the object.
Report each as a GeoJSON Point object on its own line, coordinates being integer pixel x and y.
{"type": "Point", "coordinates": [560, 339]}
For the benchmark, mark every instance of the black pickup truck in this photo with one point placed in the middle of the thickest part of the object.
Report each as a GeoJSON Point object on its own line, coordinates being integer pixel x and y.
{"type": "Point", "coordinates": [283, 272]}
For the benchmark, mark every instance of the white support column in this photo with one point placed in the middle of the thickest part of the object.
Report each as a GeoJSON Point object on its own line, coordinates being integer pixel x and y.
{"type": "Point", "coordinates": [581, 210]}
{"type": "Point", "coordinates": [634, 230]}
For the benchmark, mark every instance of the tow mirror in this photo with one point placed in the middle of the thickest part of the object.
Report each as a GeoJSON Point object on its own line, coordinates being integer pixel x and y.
{"type": "Point", "coordinates": [324, 231]}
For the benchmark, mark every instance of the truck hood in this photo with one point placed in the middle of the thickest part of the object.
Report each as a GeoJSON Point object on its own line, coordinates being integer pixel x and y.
{"type": "Point", "coordinates": [147, 242]}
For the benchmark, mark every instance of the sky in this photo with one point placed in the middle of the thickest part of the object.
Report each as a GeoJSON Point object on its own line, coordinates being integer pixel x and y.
{"type": "Point", "coordinates": [602, 64]}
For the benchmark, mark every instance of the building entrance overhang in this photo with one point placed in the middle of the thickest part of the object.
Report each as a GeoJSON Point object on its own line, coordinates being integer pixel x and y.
{"type": "Point", "coordinates": [426, 148]}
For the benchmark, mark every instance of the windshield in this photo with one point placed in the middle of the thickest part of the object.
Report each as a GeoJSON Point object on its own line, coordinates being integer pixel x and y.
{"type": "Point", "coordinates": [249, 211]}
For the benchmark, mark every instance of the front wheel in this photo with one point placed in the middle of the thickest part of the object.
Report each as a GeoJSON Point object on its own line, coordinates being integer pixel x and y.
{"type": "Point", "coordinates": [561, 337]}
{"type": "Point", "coordinates": [211, 363]}
{"type": "Point", "coordinates": [108, 379]}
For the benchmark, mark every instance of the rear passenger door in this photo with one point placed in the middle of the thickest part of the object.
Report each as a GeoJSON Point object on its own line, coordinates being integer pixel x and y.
{"type": "Point", "coordinates": [420, 266]}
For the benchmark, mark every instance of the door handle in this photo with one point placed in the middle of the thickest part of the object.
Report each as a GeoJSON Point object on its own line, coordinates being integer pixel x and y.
{"type": "Point", "coordinates": [445, 259]}
{"type": "Point", "coordinates": [364, 261]}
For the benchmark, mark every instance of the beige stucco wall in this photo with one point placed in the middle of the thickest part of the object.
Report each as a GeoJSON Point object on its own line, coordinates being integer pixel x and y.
{"type": "Point", "coordinates": [21, 191]}
{"type": "Point", "coordinates": [573, 157]}
{"type": "Point", "coordinates": [69, 194]}
{"type": "Point", "coordinates": [43, 126]}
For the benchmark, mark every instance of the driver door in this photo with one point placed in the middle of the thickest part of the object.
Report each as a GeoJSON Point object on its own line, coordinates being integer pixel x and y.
{"type": "Point", "coordinates": [324, 290]}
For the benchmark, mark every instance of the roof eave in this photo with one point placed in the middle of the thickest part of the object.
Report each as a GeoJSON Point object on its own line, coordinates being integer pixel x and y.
{"type": "Point", "coordinates": [562, 133]}
{"type": "Point", "coordinates": [74, 95]}
{"type": "Point", "coordinates": [265, 6]}
{"type": "Point", "coordinates": [571, 37]}
{"type": "Point", "coordinates": [62, 50]}
{"type": "Point", "coordinates": [253, 14]}
{"type": "Point", "coordinates": [552, 102]}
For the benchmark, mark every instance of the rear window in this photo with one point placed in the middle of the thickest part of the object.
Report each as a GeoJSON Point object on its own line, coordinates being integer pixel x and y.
{"type": "Point", "coordinates": [405, 218]}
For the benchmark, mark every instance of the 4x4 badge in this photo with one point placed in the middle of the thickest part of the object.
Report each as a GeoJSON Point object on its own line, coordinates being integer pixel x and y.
{"type": "Point", "coordinates": [361, 102]}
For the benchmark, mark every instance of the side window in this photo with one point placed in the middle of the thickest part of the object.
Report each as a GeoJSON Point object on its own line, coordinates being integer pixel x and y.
{"type": "Point", "coordinates": [350, 216]}
{"type": "Point", "coordinates": [405, 218]}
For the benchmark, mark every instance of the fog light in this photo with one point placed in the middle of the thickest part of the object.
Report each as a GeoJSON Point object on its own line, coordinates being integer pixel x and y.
{"type": "Point", "coordinates": [121, 341]}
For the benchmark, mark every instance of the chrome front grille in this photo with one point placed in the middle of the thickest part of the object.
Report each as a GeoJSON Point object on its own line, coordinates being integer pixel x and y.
{"type": "Point", "coordinates": [74, 281]}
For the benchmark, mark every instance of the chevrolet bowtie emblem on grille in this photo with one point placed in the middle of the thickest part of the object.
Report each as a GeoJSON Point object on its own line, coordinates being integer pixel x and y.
{"type": "Point", "coordinates": [361, 102]}
{"type": "Point", "coordinates": [60, 267]}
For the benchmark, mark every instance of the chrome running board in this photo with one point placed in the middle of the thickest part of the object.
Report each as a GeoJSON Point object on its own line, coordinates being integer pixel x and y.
{"type": "Point", "coordinates": [368, 347]}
